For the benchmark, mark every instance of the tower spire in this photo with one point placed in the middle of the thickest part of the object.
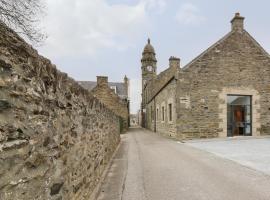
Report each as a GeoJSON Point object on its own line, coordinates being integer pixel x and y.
{"type": "Point", "coordinates": [149, 62]}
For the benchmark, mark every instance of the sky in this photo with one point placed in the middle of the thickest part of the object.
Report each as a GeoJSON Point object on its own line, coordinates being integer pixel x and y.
{"type": "Point", "coordinates": [87, 38]}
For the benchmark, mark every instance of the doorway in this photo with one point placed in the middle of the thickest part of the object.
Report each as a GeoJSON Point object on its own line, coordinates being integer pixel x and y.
{"type": "Point", "coordinates": [239, 115]}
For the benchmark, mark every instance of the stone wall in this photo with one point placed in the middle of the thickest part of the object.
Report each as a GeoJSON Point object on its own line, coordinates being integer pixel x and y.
{"type": "Point", "coordinates": [55, 138]}
{"type": "Point", "coordinates": [155, 122]}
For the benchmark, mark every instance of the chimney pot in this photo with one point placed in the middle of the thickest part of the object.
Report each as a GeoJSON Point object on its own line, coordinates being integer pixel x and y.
{"type": "Point", "coordinates": [237, 22]}
{"type": "Point", "coordinates": [174, 62]}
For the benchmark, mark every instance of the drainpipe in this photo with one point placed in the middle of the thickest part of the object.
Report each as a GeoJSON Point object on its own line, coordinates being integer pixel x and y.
{"type": "Point", "coordinates": [155, 118]}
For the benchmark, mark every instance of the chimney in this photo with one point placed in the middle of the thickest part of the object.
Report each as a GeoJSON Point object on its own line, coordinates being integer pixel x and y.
{"type": "Point", "coordinates": [174, 62]}
{"type": "Point", "coordinates": [237, 23]}
{"type": "Point", "coordinates": [126, 84]}
{"type": "Point", "coordinates": [102, 81]}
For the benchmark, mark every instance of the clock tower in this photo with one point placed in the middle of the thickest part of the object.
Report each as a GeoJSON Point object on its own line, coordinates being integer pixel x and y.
{"type": "Point", "coordinates": [149, 63]}
{"type": "Point", "coordinates": [149, 71]}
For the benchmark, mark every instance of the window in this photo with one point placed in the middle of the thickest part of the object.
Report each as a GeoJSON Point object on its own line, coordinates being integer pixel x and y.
{"type": "Point", "coordinates": [170, 112]}
{"type": "Point", "coordinates": [239, 115]}
{"type": "Point", "coordinates": [113, 87]}
{"type": "Point", "coordinates": [157, 114]}
{"type": "Point", "coordinates": [152, 114]}
{"type": "Point", "coordinates": [163, 114]}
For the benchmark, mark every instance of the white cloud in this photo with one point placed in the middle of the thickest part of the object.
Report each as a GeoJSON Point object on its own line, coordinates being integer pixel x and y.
{"type": "Point", "coordinates": [82, 27]}
{"type": "Point", "coordinates": [135, 95]}
{"type": "Point", "coordinates": [157, 5]}
{"type": "Point", "coordinates": [189, 14]}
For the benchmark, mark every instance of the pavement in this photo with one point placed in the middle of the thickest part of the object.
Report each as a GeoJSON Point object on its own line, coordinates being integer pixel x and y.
{"type": "Point", "coordinates": [150, 167]}
{"type": "Point", "coordinates": [253, 152]}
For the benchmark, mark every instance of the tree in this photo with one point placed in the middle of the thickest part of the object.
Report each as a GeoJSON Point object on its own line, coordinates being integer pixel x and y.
{"type": "Point", "coordinates": [23, 16]}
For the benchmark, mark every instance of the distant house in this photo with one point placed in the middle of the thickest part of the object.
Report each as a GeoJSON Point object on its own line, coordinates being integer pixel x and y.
{"type": "Point", "coordinates": [115, 95]}
{"type": "Point", "coordinates": [134, 120]}
{"type": "Point", "coordinates": [120, 88]}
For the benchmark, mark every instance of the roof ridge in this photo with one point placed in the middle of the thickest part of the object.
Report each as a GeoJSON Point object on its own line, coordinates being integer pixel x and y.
{"type": "Point", "coordinates": [162, 73]}
{"type": "Point", "coordinates": [207, 50]}
{"type": "Point", "coordinates": [257, 43]}
{"type": "Point", "coordinates": [220, 41]}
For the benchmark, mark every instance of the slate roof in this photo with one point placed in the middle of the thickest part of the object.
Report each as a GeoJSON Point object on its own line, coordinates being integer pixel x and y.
{"type": "Point", "coordinates": [120, 87]}
{"type": "Point", "coordinates": [160, 81]}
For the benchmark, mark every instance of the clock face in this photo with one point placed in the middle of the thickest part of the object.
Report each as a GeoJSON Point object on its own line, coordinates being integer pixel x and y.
{"type": "Point", "coordinates": [149, 68]}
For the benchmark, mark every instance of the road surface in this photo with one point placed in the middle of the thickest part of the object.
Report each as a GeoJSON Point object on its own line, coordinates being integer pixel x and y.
{"type": "Point", "coordinates": [150, 167]}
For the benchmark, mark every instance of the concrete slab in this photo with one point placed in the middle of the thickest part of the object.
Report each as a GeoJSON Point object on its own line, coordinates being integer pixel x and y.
{"type": "Point", "coordinates": [247, 151]}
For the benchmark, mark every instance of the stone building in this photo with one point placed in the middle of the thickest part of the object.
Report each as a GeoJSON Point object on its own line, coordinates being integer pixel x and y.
{"type": "Point", "coordinates": [115, 95]}
{"type": "Point", "coordinates": [134, 120]}
{"type": "Point", "coordinates": [225, 91]}
{"type": "Point", "coordinates": [119, 88]}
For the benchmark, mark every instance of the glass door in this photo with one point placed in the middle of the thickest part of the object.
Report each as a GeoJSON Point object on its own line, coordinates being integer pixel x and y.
{"type": "Point", "coordinates": [239, 115]}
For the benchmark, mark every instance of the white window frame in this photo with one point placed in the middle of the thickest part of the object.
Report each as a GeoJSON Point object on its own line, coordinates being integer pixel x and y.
{"type": "Point", "coordinates": [171, 101]}
{"type": "Point", "coordinates": [113, 87]}
{"type": "Point", "coordinates": [163, 112]}
{"type": "Point", "coordinates": [157, 113]}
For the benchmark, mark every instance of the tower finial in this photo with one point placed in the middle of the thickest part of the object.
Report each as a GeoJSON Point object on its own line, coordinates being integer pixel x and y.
{"type": "Point", "coordinates": [149, 41]}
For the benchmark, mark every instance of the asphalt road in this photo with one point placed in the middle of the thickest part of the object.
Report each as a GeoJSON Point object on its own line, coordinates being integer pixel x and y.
{"type": "Point", "coordinates": [151, 167]}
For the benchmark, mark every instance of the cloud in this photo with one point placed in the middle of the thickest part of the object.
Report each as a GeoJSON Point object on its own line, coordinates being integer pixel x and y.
{"type": "Point", "coordinates": [135, 95]}
{"type": "Point", "coordinates": [82, 27]}
{"type": "Point", "coordinates": [189, 14]}
{"type": "Point", "coordinates": [157, 5]}
{"type": "Point", "coordinates": [83, 31]}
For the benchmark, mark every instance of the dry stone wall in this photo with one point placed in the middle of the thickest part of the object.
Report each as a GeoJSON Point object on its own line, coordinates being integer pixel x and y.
{"type": "Point", "coordinates": [55, 138]}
